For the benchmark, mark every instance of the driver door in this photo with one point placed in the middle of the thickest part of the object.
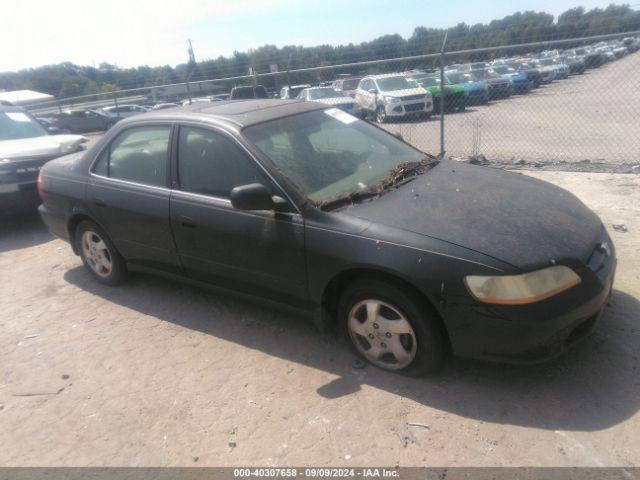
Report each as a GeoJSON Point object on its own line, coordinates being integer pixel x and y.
{"type": "Point", "coordinates": [258, 252]}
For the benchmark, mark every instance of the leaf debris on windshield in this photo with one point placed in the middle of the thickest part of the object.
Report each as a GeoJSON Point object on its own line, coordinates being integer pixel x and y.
{"type": "Point", "coordinates": [396, 176]}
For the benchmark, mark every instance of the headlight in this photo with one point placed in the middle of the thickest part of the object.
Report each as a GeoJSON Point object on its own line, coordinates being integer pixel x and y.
{"type": "Point", "coordinates": [522, 289]}
{"type": "Point", "coordinates": [391, 99]}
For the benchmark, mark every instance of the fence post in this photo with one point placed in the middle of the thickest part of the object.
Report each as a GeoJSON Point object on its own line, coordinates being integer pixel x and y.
{"type": "Point", "coordinates": [115, 102]}
{"type": "Point", "coordinates": [188, 87]}
{"type": "Point", "coordinates": [442, 95]}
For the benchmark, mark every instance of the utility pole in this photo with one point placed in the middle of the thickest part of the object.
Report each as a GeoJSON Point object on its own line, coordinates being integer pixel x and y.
{"type": "Point", "coordinates": [192, 57]}
{"type": "Point", "coordinates": [192, 68]}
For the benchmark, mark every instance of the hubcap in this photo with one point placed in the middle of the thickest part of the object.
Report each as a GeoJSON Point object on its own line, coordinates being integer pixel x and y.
{"type": "Point", "coordinates": [96, 253]}
{"type": "Point", "coordinates": [382, 334]}
{"type": "Point", "coordinates": [381, 115]}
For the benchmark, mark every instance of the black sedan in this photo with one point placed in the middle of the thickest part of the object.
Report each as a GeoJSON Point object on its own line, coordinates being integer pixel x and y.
{"type": "Point", "coordinates": [305, 205]}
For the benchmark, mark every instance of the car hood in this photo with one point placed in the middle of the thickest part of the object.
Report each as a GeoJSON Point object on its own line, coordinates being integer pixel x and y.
{"type": "Point", "coordinates": [404, 92]}
{"type": "Point", "coordinates": [336, 101]}
{"type": "Point", "coordinates": [514, 218]}
{"type": "Point", "coordinates": [46, 145]}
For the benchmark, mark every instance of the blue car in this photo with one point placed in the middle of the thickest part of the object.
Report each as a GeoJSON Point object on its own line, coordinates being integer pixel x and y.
{"type": "Point", "coordinates": [520, 80]}
{"type": "Point", "coordinates": [477, 92]}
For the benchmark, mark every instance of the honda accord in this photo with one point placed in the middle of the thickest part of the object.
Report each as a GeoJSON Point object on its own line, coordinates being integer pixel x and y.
{"type": "Point", "coordinates": [304, 205]}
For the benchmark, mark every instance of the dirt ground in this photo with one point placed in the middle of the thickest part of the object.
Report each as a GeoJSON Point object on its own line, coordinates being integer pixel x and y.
{"type": "Point", "coordinates": [592, 117]}
{"type": "Point", "coordinates": [155, 373]}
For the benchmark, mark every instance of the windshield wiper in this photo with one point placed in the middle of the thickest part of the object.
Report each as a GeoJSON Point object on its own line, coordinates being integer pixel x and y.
{"type": "Point", "coordinates": [345, 200]}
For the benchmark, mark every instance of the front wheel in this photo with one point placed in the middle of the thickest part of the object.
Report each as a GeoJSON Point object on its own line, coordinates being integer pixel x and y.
{"type": "Point", "coordinates": [391, 328]}
{"type": "Point", "coordinates": [99, 255]}
{"type": "Point", "coordinates": [381, 115]}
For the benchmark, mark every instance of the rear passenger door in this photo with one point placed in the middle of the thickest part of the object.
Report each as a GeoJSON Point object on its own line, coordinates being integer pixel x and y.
{"type": "Point", "coordinates": [128, 195]}
{"type": "Point", "coordinates": [258, 252]}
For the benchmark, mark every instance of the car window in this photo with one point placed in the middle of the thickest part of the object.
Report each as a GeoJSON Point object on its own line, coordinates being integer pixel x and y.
{"type": "Point", "coordinates": [211, 164]}
{"type": "Point", "coordinates": [327, 154]}
{"type": "Point", "coordinates": [138, 154]}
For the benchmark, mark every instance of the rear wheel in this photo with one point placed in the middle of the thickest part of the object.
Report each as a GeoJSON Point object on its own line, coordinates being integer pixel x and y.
{"type": "Point", "coordinates": [99, 255]}
{"type": "Point", "coordinates": [391, 328]}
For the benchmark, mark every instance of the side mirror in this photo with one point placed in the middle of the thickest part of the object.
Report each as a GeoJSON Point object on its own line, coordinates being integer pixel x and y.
{"type": "Point", "coordinates": [373, 91]}
{"type": "Point", "coordinates": [256, 196]}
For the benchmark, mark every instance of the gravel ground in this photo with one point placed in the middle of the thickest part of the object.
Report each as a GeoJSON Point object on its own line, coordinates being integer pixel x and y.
{"type": "Point", "coordinates": [155, 373]}
{"type": "Point", "coordinates": [586, 117]}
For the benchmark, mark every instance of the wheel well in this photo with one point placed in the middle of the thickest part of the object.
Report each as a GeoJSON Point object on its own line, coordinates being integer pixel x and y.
{"type": "Point", "coordinates": [333, 290]}
{"type": "Point", "coordinates": [71, 228]}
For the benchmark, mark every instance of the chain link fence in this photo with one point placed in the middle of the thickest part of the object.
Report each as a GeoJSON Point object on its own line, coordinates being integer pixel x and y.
{"type": "Point", "coordinates": [560, 101]}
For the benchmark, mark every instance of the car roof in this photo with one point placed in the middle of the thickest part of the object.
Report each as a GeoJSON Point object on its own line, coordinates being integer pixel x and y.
{"type": "Point", "coordinates": [235, 113]}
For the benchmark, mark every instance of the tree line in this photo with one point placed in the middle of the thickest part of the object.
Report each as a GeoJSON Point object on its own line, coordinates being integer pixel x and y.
{"type": "Point", "coordinates": [67, 79]}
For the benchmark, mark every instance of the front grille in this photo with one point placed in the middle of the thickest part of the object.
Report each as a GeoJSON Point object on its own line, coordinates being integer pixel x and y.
{"type": "Point", "coordinates": [413, 97]}
{"type": "Point", "coordinates": [414, 108]}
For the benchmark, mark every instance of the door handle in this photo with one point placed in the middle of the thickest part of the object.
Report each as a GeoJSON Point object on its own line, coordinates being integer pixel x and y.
{"type": "Point", "coordinates": [187, 221]}
{"type": "Point", "coordinates": [99, 202]}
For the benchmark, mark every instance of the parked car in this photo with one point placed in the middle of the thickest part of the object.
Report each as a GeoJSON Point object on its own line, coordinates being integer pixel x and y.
{"type": "Point", "coordinates": [548, 73]}
{"type": "Point", "coordinates": [290, 92]}
{"type": "Point", "coordinates": [393, 96]}
{"type": "Point", "coordinates": [347, 85]}
{"type": "Point", "coordinates": [454, 96]}
{"type": "Point", "coordinates": [330, 96]}
{"type": "Point", "coordinates": [498, 86]}
{"type": "Point", "coordinates": [81, 121]}
{"type": "Point", "coordinates": [248, 92]}
{"type": "Point", "coordinates": [162, 106]}
{"type": "Point", "coordinates": [122, 111]}
{"type": "Point", "coordinates": [25, 146]}
{"type": "Point", "coordinates": [562, 71]}
{"type": "Point", "coordinates": [477, 92]}
{"type": "Point", "coordinates": [520, 81]}
{"type": "Point", "coordinates": [302, 204]}
{"type": "Point", "coordinates": [533, 74]}
{"type": "Point", "coordinates": [577, 65]}
{"type": "Point", "coordinates": [207, 99]}
{"type": "Point", "coordinates": [49, 124]}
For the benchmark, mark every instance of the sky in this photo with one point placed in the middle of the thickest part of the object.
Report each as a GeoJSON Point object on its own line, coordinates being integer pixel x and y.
{"type": "Point", "coordinates": [130, 33]}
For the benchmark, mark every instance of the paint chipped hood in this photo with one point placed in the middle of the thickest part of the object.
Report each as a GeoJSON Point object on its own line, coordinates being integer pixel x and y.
{"type": "Point", "coordinates": [514, 218]}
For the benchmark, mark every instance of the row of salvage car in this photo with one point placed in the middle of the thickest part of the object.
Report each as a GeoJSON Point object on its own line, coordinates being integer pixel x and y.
{"type": "Point", "coordinates": [418, 93]}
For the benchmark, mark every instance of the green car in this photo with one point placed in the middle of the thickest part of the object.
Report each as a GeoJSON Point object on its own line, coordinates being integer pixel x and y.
{"type": "Point", "coordinates": [455, 96]}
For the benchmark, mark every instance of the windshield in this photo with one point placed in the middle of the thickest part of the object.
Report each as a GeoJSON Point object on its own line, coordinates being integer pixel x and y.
{"type": "Point", "coordinates": [329, 154]}
{"type": "Point", "coordinates": [18, 125]}
{"type": "Point", "coordinates": [350, 84]}
{"type": "Point", "coordinates": [457, 77]}
{"type": "Point", "coordinates": [328, 92]}
{"type": "Point", "coordinates": [389, 84]}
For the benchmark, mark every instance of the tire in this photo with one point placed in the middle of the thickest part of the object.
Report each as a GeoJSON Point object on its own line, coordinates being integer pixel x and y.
{"type": "Point", "coordinates": [381, 115]}
{"type": "Point", "coordinates": [415, 343]}
{"type": "Point", "coordinates": [99, 254]}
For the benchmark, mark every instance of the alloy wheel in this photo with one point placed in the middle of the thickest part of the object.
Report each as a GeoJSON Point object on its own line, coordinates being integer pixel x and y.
{"type": "Point", "coordinates": [382, 334]}
{"type": "Point", "coordinates": [96, 253]}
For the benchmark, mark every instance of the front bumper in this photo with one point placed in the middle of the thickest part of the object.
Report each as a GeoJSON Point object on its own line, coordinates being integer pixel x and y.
{"type": "Point", "coordinates": [534, 333]}
{"type": "Point", "coordinates": [403, 109]}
